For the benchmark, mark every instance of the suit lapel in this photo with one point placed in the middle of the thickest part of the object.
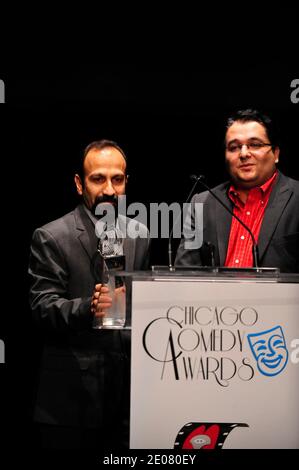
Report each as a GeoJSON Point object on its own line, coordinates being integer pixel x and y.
{"type": "Point", "coordinates": [88, 239]}
{"type": "Point", "coordinates": [279, 198]}
{"type": "Point", "coordinates": [223, 223]}
{"type": "Point", "coordinates": [86, 231]}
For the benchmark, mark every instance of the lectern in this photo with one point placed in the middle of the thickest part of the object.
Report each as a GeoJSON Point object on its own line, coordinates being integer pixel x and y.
{"type": "Point", "coordinates": [215, 359]}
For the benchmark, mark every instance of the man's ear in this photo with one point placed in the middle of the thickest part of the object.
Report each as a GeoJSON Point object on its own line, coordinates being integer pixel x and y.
{"type": "Point", "coordinates": [78, 184]}
{"type": "Point", "coordinates": [276, 154]}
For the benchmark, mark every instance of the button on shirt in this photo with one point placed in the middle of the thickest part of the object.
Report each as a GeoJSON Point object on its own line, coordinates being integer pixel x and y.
{"type": "Point", "coordinates": [239, 252]}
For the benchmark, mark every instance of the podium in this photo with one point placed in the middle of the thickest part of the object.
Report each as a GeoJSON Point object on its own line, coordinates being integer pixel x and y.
{"type": "Point", "coordinates": [215, 359]}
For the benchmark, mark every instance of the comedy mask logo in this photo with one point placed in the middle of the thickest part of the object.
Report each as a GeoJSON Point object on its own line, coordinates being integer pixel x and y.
{"type": "Point", "coordinates": [269, 350]}
{"type": "Point", "coordinates": [204, 435]}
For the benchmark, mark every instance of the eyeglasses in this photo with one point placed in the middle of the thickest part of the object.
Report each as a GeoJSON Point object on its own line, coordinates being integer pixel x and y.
{"type": "Point", "coordinates": [251, 146]}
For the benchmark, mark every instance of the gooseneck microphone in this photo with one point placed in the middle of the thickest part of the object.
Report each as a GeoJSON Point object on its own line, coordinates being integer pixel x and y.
{"type": "Point", "coordinates": [171, 268]}
{"type": "Point", "coordinates": [255, 253]}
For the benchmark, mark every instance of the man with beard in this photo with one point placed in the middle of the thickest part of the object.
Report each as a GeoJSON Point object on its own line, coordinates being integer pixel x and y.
{"type": "Point", "coordinates": [83, 392]}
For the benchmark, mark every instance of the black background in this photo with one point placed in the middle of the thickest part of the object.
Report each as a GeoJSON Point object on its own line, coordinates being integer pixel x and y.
{"type": "Point", "coordinates": [167, 116]}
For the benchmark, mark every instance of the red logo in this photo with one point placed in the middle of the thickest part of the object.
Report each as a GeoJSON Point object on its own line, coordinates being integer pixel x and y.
{"type": "Point", "coordinates": [204, 435]}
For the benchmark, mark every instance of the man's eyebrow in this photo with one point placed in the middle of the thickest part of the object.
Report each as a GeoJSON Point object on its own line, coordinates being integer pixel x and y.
{"type": "Point", "coordinates": [97, 173]}
{"type": "Point", "coordinates": [248, 140]}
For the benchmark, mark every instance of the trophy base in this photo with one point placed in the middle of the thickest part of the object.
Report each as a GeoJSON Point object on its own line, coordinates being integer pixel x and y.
{"type": "Point", "coordinates": [109, 324]}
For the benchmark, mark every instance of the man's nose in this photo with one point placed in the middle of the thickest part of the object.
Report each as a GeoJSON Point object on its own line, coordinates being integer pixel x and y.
{"type": "Point", "coordinates": [244, 151]}
{"type": "Point", "coordinates": [109, 188]}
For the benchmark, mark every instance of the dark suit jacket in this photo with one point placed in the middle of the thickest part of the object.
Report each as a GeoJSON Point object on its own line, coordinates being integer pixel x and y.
{"type": "Point", "coordinates": [84, 374]}
{"type": "Point", "coordinates": [278, 240]}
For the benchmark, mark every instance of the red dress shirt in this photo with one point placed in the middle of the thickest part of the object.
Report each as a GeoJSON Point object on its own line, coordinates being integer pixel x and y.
{"type": "Point", "coordinates": [239, 252]}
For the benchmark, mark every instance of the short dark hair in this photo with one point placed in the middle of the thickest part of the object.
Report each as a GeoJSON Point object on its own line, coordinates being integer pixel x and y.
{"type": "Point", "coordinates": [247, 115]}
{"type": "Point", "coordinates": [97, 145]}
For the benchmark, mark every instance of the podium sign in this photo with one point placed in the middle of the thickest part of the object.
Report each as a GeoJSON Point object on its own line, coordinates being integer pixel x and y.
{"type": "Point", "coordinates": [215, 364]}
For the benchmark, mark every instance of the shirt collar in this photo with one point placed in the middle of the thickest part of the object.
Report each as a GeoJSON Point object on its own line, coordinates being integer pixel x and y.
{"type": "Point", "coordinates": [90, 215]}
{"type": "Point", "coordinates": [264, 188]}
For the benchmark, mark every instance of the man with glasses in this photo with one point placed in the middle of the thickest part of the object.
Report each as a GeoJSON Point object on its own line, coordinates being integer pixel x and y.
{"type": "Point", "coordinates": [265, 200]}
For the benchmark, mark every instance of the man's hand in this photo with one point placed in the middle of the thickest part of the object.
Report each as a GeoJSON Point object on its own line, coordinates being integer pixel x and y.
{"type": "Point", "coordinates": [100, 300]}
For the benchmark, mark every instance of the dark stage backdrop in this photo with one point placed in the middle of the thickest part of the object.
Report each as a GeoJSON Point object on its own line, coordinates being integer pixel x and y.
{"type": "Point", "coordinates": [169, 120]}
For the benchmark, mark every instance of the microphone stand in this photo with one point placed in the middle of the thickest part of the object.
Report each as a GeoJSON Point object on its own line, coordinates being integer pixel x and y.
{"type": "Point", "coordinates": [170, 266]}
{"type": "Point", "coordinates": [255, 252]}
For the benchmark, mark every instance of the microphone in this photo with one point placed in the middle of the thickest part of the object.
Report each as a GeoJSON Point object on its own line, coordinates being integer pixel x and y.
{"type": "Point", "coordinates": [171, 267]}
{"type": "Point", "coordinates": [255, 252]}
